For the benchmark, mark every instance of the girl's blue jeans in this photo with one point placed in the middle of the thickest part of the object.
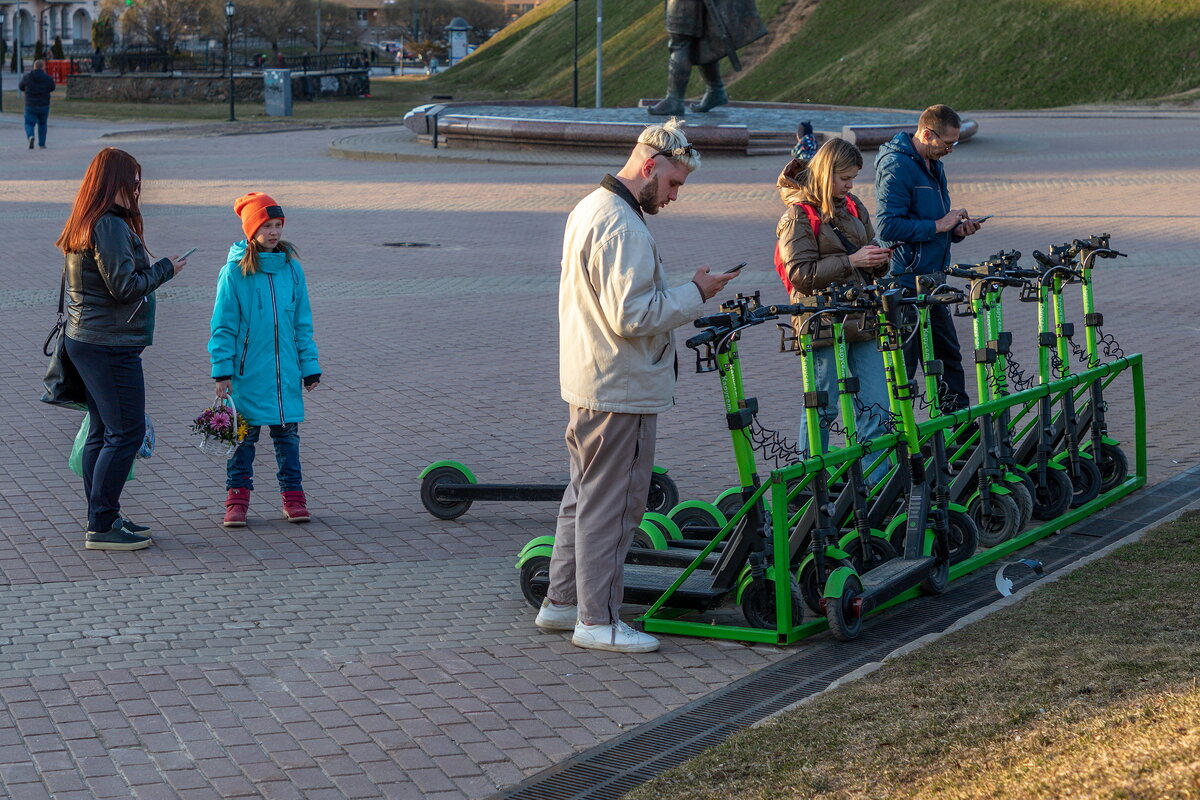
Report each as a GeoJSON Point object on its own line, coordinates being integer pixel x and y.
{"type": "Point", "coordinates": [286, 438]}
{"type": "Point", "coordinates": [866, 364]}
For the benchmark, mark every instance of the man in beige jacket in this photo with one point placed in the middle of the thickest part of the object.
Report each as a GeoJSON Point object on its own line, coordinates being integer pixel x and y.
{"type": "Point", "coordinates": [617, 373]}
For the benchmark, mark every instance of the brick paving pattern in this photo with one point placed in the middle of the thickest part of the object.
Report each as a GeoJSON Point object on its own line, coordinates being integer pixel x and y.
{"type": "Point", "coordinates": [377, 652]}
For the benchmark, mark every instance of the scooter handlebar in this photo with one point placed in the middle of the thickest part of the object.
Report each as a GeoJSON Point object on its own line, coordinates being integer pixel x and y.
{"type": "Point", "coordinates": [702, 338]}
{"type": "Point", "coordinates": [1044, 260]}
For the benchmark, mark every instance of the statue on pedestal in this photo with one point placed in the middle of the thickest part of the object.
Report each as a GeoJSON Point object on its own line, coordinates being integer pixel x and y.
{"type": "Point", "coordinates": [700, 33]}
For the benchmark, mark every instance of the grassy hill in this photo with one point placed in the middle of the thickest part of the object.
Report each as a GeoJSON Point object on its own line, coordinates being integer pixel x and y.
{"type": "Point", "coordinates": [900, 53]}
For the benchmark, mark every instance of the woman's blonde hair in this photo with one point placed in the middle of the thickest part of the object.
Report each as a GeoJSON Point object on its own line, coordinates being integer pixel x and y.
{"type": "Point", "coordinates": [836, 155]}
{"type": "Point", "coordinates": [249, 262]}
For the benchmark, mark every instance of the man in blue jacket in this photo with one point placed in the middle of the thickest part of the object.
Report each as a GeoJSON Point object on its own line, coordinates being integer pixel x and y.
{"type": "Point", "coordinates": [37, 86]}
{"type": "Point", "coordinates": [914, 218]}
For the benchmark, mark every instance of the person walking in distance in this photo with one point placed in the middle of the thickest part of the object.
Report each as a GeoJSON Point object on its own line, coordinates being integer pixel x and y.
{"type": "Point", "coordinates": [262, 352]}
{"type": "Point", "coordinates": [617, 372]}
{"type": "Point", "coordinates": [37, 86]}
{"type": "Point", "coordinates": [110, 285]}
{"type": "Point", "coordinates": [915, 219]}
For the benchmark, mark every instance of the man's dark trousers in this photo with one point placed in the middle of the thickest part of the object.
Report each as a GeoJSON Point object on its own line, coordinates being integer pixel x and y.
{"type": "Point", "coordinates": [945, 349]}
{"type": "Point", "coordinates": [116, 398]}
{"type": "Point", "coordinates": [37, 116]}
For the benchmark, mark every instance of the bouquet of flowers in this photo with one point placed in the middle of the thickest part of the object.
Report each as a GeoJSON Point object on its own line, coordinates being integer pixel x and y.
{"type": "Point", "coordinates": [221, 428]}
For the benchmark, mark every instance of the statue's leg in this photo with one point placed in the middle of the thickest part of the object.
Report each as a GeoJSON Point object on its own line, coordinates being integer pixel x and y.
{"type": "Point", "coordinates": [679, 70]}
{"type": "Point", "coordinates": [715, 94]}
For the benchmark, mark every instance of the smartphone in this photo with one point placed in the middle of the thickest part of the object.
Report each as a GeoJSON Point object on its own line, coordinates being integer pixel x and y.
{"type": "Point", "coordinates": [188, 253]}
{"type": "Point", "coordinates": [978, 220]}
{"type": "Point", "coordinates": [734, 269]}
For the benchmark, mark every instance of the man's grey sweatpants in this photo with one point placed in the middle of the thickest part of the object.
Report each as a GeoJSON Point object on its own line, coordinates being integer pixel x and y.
{"type": "Point", "coordinates": [612, 456]}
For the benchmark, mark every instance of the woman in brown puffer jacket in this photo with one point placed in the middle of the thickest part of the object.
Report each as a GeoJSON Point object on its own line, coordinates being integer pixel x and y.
{"type": "Point", "coordinates": [842, 251]}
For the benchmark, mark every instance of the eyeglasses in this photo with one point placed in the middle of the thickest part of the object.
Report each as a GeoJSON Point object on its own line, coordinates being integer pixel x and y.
{"type": "Point", "coordinates": [948, 145]}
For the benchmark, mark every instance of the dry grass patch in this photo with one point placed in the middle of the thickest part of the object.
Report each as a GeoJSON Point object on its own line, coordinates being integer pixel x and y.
{"type": "Point", "coordinates": [1087, 689]}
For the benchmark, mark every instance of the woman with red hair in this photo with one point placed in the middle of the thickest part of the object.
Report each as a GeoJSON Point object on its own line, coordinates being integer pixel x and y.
{"type": "Point", "coordinates": [110, 285]}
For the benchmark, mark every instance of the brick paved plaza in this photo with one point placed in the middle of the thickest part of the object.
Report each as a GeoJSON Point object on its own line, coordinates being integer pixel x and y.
{"type": "Point", "coordinates": [377, 652]}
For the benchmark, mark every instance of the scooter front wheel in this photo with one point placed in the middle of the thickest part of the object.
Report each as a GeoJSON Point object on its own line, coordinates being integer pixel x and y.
{"type": "Point", "coordinates": [443, 509]}
{"type": "Point", "coordinates": [877, 551]}
{"type": "Point", "coordinates": [842, 613]}
{"type": "Point", "coordinates": [1024, 498]}
{"type": "Point", "coordinates": [1114, 466]}
{"type": "Point", "coordinates": [535, 575]}
{"type": "Point", "coordinates": [1001, 524]}
{"type": "Point", "coordinates": [964, 536]}
{"type": "Point", "coordinates": [1053, 499]}
{"type": "Point", "coordinates": [698, 521]}
{"type": "Point", "coordinates": [664, 494]}
{"type": "Point", "coordinates": [1086, 480]}
{"type": "Point", "coordinates": [758, 604]}
{"type": "Point", "coordinates": [937, 579]}
{"type": "Point", "coordinates": [810, 589]}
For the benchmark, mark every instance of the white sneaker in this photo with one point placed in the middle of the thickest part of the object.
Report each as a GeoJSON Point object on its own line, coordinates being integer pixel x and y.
{"type": "Point", "coordinates": [619, 638]}
{"type": "Point", "coordinates": [553, 617]}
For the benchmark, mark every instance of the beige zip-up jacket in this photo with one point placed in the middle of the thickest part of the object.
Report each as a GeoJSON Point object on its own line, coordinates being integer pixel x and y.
{"type": "Point", "coordinates": [616, 313]}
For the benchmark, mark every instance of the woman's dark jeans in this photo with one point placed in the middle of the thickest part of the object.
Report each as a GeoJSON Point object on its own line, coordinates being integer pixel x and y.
{"type": "Point", "coordinates": [116, 398]}
{"type": "Point", "coordinates": [286, 438]}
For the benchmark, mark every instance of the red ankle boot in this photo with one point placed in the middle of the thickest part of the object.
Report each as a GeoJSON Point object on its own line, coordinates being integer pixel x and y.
{"type": "Point", "coordinates": [237, 501]}
{"type": "Point", "coordinates": [295, 507]}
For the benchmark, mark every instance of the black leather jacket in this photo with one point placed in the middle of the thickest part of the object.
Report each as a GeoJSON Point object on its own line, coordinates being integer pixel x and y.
{"type": "Point", "coordinates": [110, 287]}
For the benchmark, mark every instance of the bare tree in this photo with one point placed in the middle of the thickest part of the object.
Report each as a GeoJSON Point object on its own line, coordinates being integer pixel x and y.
{"type": "Point", "coordinates": [273, 20]}
{"type": "Point", "coordinates": [160, 23]}
{"type": "Point", "coordinates": [338, 23]}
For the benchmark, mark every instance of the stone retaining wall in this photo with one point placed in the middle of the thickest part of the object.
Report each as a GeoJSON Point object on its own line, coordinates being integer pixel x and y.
{"type": "Point", "coordinates": [207, 88]}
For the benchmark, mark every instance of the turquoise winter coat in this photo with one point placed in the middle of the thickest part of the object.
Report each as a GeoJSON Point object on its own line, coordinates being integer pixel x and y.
{"type": "Point", "coordinates": [262, 336]}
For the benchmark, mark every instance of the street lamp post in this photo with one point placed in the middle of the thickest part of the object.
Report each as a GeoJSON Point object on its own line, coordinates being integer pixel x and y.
{"type": "Point", "coordinates": [230, 8]}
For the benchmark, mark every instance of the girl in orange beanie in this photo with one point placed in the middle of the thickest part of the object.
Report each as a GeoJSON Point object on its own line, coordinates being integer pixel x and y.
{"type": "Point", "coordinates": [262, 352]}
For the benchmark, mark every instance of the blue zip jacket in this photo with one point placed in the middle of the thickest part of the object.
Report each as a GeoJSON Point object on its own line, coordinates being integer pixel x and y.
{"type": "Point", "coordinates": [910, 199]}
{"type": "Point", "coordinates": [262, 336]}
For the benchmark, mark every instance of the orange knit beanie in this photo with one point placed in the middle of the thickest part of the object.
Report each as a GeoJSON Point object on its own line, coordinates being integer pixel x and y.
{"type": "Point", "coordinates": [255, 209]}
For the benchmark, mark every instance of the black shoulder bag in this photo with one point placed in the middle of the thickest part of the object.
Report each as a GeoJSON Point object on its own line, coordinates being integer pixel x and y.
{"type": "Point", "coordinates": [64, 387]}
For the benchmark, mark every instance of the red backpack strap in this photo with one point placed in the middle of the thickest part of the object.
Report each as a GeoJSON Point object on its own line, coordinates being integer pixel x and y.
{"type": "Point", "coordinates": [852, 207]}
{"type": "Point", "coordinates": [814, 220]}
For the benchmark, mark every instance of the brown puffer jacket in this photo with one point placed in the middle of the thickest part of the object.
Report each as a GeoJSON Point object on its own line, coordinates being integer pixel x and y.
{"type": "Point", "coordinates": [815, 262]}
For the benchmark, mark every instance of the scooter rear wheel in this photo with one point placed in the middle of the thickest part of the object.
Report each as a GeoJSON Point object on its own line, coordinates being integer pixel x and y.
{"type": "Point", "coordinates": [845, 623]}
{"type": "Point", "coordinates": [536, 567]}
{"type": "Point", "coordinates": [1052, 500]}
{"type": "Point", "coordinates": [1086, 481]}
{"type": "Point", "coordinates": [758, 604]}
{"type": "Point", "coordinates": [443, 509]}
{"type": "Point", "coordinates": [1114, 466]}
{"type": "Point", "coordinates": [1001, 524]}
{"type": "Point", "coordinates": [664, 494]}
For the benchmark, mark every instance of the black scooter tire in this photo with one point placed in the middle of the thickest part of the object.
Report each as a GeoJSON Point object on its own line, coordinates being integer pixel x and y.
{"type": "Point", "coordinates": [696, 523]}
{"type": "Point", "coordinates": [663, 495]}
{"type": "Point", "coordinates": [879, 551]}
{"type": "Point", "coordinates": [937, 579]}
{"type": "Point", "coordinates": [1086, 482]}
{"type": "Point", "coordinates": [844, 623]}
{"type": "Point", "coordinates": [758, 604]}
{"type": "Point", "coordinates": [1052, 500]}
{"type": "Point", "coordinates": [441, 508]}
{"type": "Point", "coordinates": [1114, 466]}
{"type": "Point", "coordinates": [534, 567]}
{"type": "Point", "coordinates": [964, 536]}
{"type": "Point", "coordinates": [807, 579]}
{"type": "Point", "coordinates": [1001, 524]}
{"type": "Point", "coordinates": [1024, 498]}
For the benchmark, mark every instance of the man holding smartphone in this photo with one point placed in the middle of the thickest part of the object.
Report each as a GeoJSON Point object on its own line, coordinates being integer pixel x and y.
{"type": "Point", "coordinates": [915, 219]}
{"type": "Point", "coordinates": [617, 374]}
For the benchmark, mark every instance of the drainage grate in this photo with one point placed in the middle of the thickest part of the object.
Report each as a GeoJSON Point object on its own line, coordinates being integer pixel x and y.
{"type": "Point", "coordinates": [410, 244]}
{"type": "Point", "coordinates": [611, 769]}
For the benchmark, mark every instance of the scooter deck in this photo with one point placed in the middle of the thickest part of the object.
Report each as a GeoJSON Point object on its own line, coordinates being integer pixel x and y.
{"type": "Point", "coordinates": [645, 584]}
{"type": "Point", "coordinates": [893, 578]}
